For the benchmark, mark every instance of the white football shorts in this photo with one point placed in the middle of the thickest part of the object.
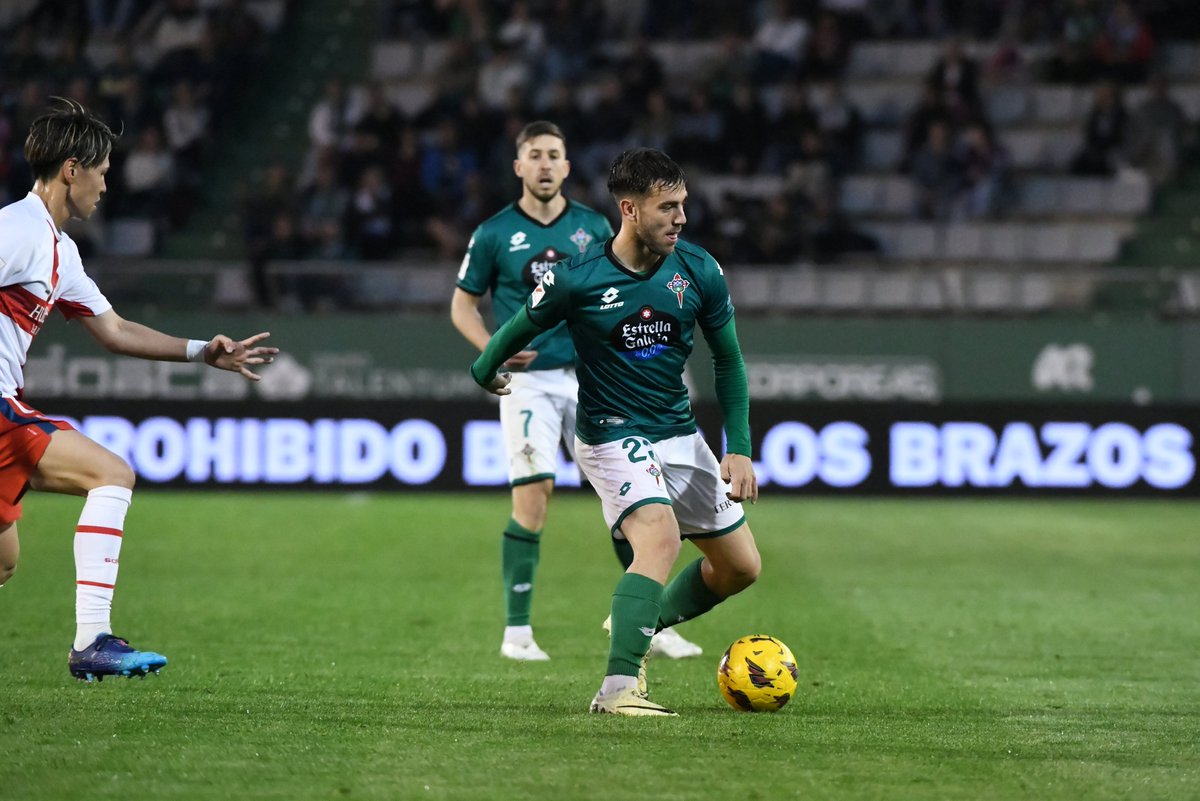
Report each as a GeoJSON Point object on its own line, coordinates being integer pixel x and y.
{"type": "Point", "coordinates": [535, 418]}
{"type": "Point", "coordinates": [682, 471]}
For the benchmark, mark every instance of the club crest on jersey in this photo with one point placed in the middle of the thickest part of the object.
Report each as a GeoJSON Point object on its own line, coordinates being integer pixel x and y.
{"type": "Point", "coordinates": [678, 285]}
{"type": "Point", "coordinates": [517, 242]}
{"type": "Point", "coordinates": [582, 239]}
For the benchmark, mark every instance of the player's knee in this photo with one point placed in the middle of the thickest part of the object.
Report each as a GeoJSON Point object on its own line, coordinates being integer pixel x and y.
{"type": "Point", "coordinates": [741, 573]}
{"type": "Point", "coordinates": [118, 474]}
{"type": "Point", "coordinates": [8, 566]}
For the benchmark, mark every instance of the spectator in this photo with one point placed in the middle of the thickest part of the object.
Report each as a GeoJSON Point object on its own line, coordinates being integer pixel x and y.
{"type": "Point", "coordinates": [985, 166]}
{"type": "Point", "coordinates": [733, 65]}
{"type": "Point", "coordinates": [731, 231]}
{"type": "Point", "coordinates": [185, 123]}
{"type": "Point", "coordinates": [1158, 132]}
{"type": "Point", "coordinates": [445, 164]}
{"type": "Point", "coordinates": [1074, 59]}
{"type": "Point", "coordinates": [115, 78]}
{"type": "Point", "coordinates": [699, 130]}
{"type": "Point", "coordinates": [376, 131]}
{"type": "Point", "coordinates": [524, 33]}
{"type": "Point", "coordinates": [330, 120]}
{"type": "Point", "coordinates": [779, 42]}
{"type": "Point", "coordinates": [828, 50]}
{"type": "Point", "coordinates": [930, 111]}
{"type": "Point", "coordinates": [841, 123]}
{"type": "Point", "coordinates": [1125, 46]}
{"type": "Point", "coordinates": [324, 201]}
{"type": "Point", "coordinates": [1103, 133]}
{"type": "Point", "coordinates": [370, 217]}
{"type": "Point", "coordinates": [640, 72]}
{"type": "Point", "coordinates": [795, 117]}
{"type": "Point", "coordinates": [936, 174]}
{"type": "Point", "coordinates": [178, 31]}
{"type": "Point", "coordinates": [499, 75]}
{"type": "Point", "coordinates": [809, 175]}
{"type": "Point", "coordinates": [148, 174]}
{"type": "Point", "coordinates": [654, 124]}
{"type": "Point", "coordinates": [955, 77]}
{"type": "Point", "coordinates": [831, 234]}
{"type": "Point", "coordinates": [745, 130]}
{"type": "Point", "coordinates": [610, 124]}
{"type": "Point", "coordinates": [778, 234]}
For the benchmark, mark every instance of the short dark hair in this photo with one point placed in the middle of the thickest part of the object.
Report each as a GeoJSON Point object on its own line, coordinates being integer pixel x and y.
{"type": "Point", "coordinates": [641, 171]}
{"type": "Point", "coordinates": [67, 131]}
{"type": "Point", "coordinates": [539, 128]}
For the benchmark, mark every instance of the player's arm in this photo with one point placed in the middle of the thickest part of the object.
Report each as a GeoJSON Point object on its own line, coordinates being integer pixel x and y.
{"type": "Point", "coordinates": [733, 394]}
{"type": "Point", "coordinates": [464, 313]}
{"type": "Point", "coordinates": [508, 340]}
{"type": "Point", "coordinates": [128, 338]}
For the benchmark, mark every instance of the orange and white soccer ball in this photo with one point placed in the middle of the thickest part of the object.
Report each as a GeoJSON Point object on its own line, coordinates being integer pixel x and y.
{"type": "Point", "coordinates": [757, 674]}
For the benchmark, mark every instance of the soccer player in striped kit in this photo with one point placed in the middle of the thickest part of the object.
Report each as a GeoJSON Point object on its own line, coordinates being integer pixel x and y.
{"type": "Point", "coordinates": [40, 270]}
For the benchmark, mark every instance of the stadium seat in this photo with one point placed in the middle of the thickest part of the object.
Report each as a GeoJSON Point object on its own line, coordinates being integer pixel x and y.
{"type": "Point", "coordinates": [964, 242]}
{"type": "Point", "coordinates": [130, 236]}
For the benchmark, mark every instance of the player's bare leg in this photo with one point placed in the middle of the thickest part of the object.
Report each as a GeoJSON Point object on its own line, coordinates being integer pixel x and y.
{"type": "Point", "coordinates": [10, 550]}
{"type": "Point", "coordinates": [75, 465]}
{"type": "Point", "coordinates": [731, 562]}
{"type": "Point", "coordinates": [654, 534]}
{"type": "Point", "coordinates": [519, 560]}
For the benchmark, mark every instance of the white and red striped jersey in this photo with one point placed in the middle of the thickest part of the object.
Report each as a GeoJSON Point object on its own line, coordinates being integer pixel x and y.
{"type": "Point", "coordinates": [40, 269]}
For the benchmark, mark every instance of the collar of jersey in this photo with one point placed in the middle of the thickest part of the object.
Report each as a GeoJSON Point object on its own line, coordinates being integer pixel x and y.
{"type": "Point", "coordinates": [567, 208]}
{"type": "Point", "coordinates": [612, 257]}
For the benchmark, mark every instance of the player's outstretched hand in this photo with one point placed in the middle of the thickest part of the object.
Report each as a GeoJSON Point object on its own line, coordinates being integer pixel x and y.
{"type": "Point", "coordinates": [499, 383]}
{"type": "Point", "coordinates": [229, 354]}
{"type": "Point", "coordinates": [738, 472]}
{"type": "Point", "coordinates": [521, 360]}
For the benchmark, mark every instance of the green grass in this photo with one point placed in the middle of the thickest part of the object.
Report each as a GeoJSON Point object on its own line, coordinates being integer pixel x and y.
{"type": "Point", "coordinates": [344, 646]}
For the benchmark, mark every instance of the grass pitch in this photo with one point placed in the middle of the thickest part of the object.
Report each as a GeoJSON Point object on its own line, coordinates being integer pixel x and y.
{"type": "Point", "coordinates": [345, 646]}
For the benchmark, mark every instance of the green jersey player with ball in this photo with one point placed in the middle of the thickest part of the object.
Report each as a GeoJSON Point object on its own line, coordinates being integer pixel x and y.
{"type": "Point", "coordinates": [631, 305]}
{"type": "Point", "coordinates": [507, 256]}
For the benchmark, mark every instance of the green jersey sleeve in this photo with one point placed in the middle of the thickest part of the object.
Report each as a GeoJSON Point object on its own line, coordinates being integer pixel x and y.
{"type": "Point", "coordinates": [717, 307]}
{"type": "Point", "coordinates": [477, 274]}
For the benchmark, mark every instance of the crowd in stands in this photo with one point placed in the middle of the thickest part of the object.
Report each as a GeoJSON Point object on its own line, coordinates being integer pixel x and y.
{"type": "Point", "coordinates": [379, 182]}
{"type": "Point", "coordinates": [162, 72]}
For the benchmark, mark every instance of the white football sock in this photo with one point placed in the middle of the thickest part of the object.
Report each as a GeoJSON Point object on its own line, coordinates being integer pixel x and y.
{"type": "Point", "coordinates": [518, 635]}
{"type": "Point", "coordinates": [616, 683]}
{"type": "Point", "coordinates": [97, 557]}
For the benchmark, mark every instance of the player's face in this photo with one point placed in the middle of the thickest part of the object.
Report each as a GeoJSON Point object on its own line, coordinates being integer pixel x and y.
{"type": "Point", "coordinates": [659, 217]}
{"type": "Point", "coordinates": [542, 166]}
{"type": "Point", "coordinates": [85, 188]}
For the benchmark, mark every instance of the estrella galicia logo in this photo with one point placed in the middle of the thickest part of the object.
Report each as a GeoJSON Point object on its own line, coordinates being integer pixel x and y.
{"type": "Point", "coordinates": [539, 265]}
{"type": "Point", "coordinates": [646, 334]}
{"type": "Point", "coordinates": [679, 285]}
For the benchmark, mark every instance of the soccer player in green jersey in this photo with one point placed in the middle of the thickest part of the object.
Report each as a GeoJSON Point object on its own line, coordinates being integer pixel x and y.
{"type": "Point", "coordinates": [631, 305]}
{"type": "Point", "coordinates": [507, 256]}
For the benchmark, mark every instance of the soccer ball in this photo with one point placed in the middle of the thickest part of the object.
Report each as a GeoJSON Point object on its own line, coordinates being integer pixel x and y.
{"type": "Point", "coordinates": [757, 674]}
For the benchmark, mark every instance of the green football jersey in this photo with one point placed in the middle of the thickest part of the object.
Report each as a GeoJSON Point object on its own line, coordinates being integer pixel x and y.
{"type": "Point", "coordinates": [633, 332]}
{"type": "Point", "coordinates": [510, 252]}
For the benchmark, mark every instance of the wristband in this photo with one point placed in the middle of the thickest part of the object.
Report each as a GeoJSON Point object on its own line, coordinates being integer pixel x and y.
{"type": "Point", "coordinates": [195, 350]}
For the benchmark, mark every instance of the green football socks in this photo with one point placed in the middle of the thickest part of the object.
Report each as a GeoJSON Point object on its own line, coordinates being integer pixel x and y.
{"type": "Point", "coordinates": [686, 597]}
{"type": "Point", "coordinates": [518, 562]}
{"type": "Point", "coordinates": [635, 606]}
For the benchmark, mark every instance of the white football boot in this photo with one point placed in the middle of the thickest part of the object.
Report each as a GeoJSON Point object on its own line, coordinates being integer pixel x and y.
{"type": "Point", "coordinates": [629, 703]}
